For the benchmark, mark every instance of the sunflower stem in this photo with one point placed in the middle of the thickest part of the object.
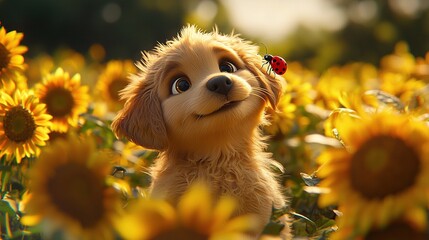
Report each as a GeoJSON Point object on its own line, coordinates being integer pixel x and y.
{"type": "Point", "coordinates": [4, 182]}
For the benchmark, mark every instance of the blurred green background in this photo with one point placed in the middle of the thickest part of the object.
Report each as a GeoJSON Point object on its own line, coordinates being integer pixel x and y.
{"type": "Point", "coordinates": [318, 33]}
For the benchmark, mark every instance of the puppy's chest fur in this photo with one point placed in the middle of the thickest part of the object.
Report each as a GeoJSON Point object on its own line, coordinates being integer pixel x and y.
{"type": "Point", "coordinates": [247, 178]}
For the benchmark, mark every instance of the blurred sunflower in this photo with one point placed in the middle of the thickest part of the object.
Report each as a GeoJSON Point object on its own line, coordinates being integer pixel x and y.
{"type": "Point", "coordinates": [397, 231]}
{"type": "Point", "coordinates": [411, 225]}
{"type": "Point", "coordinates": [353, 78]}
{"type": "Point", "coordinates": [113, 79]}
{"type": "Point", "coordinates": [196, 217]}
{"type": "Point", "coordinates": [64, 97]}
{"type": "Point", "coordinates": [401, 86]}
{"type": "Point", "coordinates": [356, 105]}
{"type": "Point", "coordinates": [421, 70]}
{"type": "Point", "coordinates": [20, 82]}
{"type": "Point", "coordinates": [299, 84]}
{"type": "Point", "coordinates": [283, 118]}
{"type": "Point", "coordinates": [38, 67]}
{"type": "Point", "coordinates": [130, 155]}
{"type": "Point", "coordinates": [69, 60]}
{"type": "Point", "coordinates": [68, 191]}
{"type": "Point", "coordinates": [383, 172]}
{"type": "Point", "coordinates": [24, 125]}
{"type": "Point", "coordinates": [400, 61]}
{"type": "Point", "coordinates": [298, 93]}
{"type": "Point", "coordinates": [11, 59]}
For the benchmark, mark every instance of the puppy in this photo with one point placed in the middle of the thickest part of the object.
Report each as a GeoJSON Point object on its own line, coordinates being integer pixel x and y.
{"type": "Point", "coordinates": [199, 99]}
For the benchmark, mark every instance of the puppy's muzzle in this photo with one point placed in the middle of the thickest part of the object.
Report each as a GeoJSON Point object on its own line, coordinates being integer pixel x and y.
{"type": "Point", "coordinates": [219, 84]}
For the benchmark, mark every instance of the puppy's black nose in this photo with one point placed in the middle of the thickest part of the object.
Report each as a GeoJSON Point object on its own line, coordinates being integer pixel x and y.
{"type": "Point", "coordinates": [219, 84]}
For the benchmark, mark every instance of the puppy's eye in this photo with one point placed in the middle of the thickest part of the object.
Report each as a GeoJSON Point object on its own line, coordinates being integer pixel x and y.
{"type": "Point", "coordinates": [180, 85]}
{"type": "Point", "coordinates": [227, 67]}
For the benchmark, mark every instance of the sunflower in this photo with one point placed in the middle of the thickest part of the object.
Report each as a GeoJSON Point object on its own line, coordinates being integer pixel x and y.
{"type": "Point", "coordinates": [70, 60]}
{"type": "Point", "coordinates": [64, 97]}
{"type": "Point", "coordinates": [130, 155]}
{"type": "Point", "coordinates": [356, 105]}
{"type": "Point", "coordinates": [400, 86]}
{"type": "Point", "coordinates": [298, 93]}
{"type": "Point", "coordinates": [383, 172]}
{"type": "Point", "coordinates": [421, 70]}
{"type": "Point", "coordinates": [299, 84]}
{"type": "Point", "coordinates": [195, 217]}
{"type": "Point", "coordinates": [396, 231]}
{"type": "Point", "coordinates": [400, 61]}
{"type": "Point", "coordinates": [410, 225]}
{"type": "Point", "coordinates": [11, 60]}
{"type": "Point", "coordinates": [24, 125]}
{"type": "Point", "coordinates": [354, 78]}
{"type": "Point", "coordinates": [113, 79]}
{"type": "Point", "coordinates": [282, 120]}
{"type": "Point", "coordinates": [68, 190]}
{"type": "Point", "coordinates": [38, 67]}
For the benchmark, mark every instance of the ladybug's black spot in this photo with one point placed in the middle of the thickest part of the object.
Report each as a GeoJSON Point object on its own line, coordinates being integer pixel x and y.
{"type": "Point", "coordinates": [277, 69]}
{"type": "Point", "coordinates": [284, 69]}
{"type": "Point", "coordinates": [274, 60]}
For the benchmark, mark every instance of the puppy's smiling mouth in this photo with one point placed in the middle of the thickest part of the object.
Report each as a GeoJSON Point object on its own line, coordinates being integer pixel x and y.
{"type": "Point", "coordinates": [227, 106]}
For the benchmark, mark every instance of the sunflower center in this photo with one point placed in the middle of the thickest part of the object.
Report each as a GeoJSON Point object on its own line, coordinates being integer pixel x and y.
{"type": "Point", "coordinates": [382, 166]}
{"type": "Point", "coordinates": [115, 86]}
{"type": "Point", "coordinates": [4, 57]}
{"type": "Point", "coordinates": [180, 233]}
{"type": "Point", "coordinates": [396, 231]}
{"type": "Point", "coordinates": [78, 193]}
{"type": "Point", "coordinates": [59, 102]}
{"type": "Point", "coordinates": [19, 125]}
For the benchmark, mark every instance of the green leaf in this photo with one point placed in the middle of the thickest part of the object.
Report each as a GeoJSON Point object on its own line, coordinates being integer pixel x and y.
{"type": "Point", "coordinates": [278, 212]}
{"type": "Point", "coordinates": [6, 208]}
{"type": "Point", "coordinates": [273, 228]}
{"type": "Point", "coordinates": [94, 120]}
{"type": "Point", "coordinates": [312, 225]}
{"type": "Point", "coordinates": [5, 177]}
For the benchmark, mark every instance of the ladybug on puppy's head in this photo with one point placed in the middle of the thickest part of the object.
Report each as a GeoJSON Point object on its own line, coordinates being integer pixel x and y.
{"type": "Point", "coordinates": [276, 64]}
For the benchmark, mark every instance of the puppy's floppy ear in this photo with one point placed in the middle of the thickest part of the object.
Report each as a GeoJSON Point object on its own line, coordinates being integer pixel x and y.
{"type": "Point", "coordinates": [141, 120]}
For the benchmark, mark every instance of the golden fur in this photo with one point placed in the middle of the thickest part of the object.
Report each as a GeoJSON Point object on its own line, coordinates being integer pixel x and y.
{"type": "Point", "coordinates": [197, 139]}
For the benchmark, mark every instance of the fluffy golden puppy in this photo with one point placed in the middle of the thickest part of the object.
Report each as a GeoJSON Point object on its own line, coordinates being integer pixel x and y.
{"type": "Point", "coordinates": [200, 99]}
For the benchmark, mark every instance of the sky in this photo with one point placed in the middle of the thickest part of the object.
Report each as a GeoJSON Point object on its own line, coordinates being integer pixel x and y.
{"type": "Point", "coordinates": [276, 19]}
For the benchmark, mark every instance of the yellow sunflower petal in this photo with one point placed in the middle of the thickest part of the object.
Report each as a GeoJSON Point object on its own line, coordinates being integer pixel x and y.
{"type": "Point", "coordinates": [223, 211]}
{"type": "Point", "coordinates": [19, 50]}
{"type": "Point", "coordinates": [17, 59]}
{"type": "Point", "coordinates": [195, 206]}
{"type": "Point", "coordinates": [242, 224]}
{"type": "Point", "coordinates": [31, 220]}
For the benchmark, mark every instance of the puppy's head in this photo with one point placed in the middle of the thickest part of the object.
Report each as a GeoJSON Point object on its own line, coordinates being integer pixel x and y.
{"type": "Point", "coordinates": [194, 89]}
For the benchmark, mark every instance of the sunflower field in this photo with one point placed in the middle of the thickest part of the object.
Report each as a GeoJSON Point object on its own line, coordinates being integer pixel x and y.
{"type": "Point", "coordinates": [352, 136]}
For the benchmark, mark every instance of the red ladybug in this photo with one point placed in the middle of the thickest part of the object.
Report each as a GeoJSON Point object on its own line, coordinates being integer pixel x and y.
{"type": "Point", "coordinates": [277, 64]}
